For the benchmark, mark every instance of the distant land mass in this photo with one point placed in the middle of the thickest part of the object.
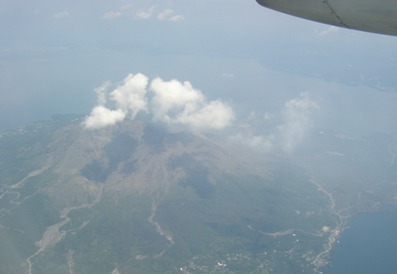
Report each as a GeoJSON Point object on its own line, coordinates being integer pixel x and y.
{"type": "Point", "coordinates": [142, 198]}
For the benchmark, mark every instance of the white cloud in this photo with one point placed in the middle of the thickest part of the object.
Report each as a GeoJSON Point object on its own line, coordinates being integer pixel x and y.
{"type": "Point", "coordinates": [112, 15]}
{"type": "Point", "coordinates": [328, 30]}
{"type": "Point", "coordinates": [177, 18]}
{"type": "Point", "coordinates": [122, 11]}
{"type": "Point", "coordinates": [297, 121]}
{"type": "Point", "coordinates": [129, 99]}
{"type": "Point", "coordinates": [165, 14]}
{"type": "Point", "coordinates": [146, 14]}
{"type": "Point", "coordinates": [214, 115]}
{"type": "Point", "coordinates": [176, 102]}
{"type": "Point", "coordinates": [171, 102]}
{"type": "Point", "coordinates": [170, 15]}
{"type": "Point", "coordinates": [173, 96]}
{"type": "Point", "coordinates": [179, 103]}
{"type": "Point", "coordinates": [61, 14]}
{"type": "Point", "coordinates": [131, 95]}
{"type": "Point", "coordinates": [102, 117]}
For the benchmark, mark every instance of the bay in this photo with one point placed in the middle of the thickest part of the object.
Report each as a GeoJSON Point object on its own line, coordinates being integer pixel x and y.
{"type": "Point", "coordinates": [368, 246]}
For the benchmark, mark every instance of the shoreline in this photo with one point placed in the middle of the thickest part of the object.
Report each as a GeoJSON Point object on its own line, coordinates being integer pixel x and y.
{"type": "Point", "coordinates": [322, 259]}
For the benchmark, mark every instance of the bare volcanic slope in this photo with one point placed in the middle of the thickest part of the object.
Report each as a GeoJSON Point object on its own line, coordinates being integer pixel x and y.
{"type": "Point", "coordinates": [141, 198]}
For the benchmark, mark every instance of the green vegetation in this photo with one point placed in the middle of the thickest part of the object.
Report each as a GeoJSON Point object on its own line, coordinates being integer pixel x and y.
{"type": "Point", "coordinates": [65, 221]}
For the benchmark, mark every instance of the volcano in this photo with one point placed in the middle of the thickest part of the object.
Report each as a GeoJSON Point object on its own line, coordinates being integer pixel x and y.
{"type": "Point", "coordinates": [140, 197]}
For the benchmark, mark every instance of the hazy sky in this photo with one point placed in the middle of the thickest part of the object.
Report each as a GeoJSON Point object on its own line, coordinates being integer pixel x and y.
{"type": "Point", "coordinates": [277, 73]}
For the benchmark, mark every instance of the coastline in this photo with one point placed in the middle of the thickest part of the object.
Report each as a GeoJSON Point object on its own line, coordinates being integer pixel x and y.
{"type": "Point", "coordinates": [368, 245]}
{"type": "Point", "coordinates": [322, 259]}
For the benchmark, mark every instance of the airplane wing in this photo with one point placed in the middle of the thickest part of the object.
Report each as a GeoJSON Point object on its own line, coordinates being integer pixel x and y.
{"type": "Point", "coordinates": [379, 16]}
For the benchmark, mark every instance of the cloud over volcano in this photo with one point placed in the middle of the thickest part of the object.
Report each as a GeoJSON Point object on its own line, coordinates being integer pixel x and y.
{"type": "Point", "coordinates": [170, 102]}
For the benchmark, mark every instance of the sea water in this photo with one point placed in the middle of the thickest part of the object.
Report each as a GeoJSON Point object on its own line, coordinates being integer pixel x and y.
{"type": "Point", "coordinates": [368, 246]}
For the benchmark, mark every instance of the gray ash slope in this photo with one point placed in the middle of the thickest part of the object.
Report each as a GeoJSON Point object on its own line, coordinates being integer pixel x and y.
{"type": "Point", "coordinates": [141, 198]}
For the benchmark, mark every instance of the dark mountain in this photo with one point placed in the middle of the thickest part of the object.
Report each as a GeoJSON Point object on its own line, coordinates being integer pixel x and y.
{"type": "Point", "coordinates": [141, 198]}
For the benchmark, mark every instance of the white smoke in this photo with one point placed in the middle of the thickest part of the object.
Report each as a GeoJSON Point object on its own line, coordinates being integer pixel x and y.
{"type": "Point", "coordinates": [179, 103]}
{"type": "Point", "coordinates": [297, 120]}
{"type": "Point", "coordinates": [172, 102]}
{"type": "Point", "coordinates": [176, 102]}
{"type": "Point", "coordinates": [212, 115]}
{"type": "Point", "coordinates": [286, 135]}
{"type": "Point", "coordinates": [101, 93]}
{"type": "Point", "coordinates": [102, 117]}
{"type": "Point", "coordinates": [129, 98]}
{"type": "Point", "coordinates": [131, 95]}
{"type": "Point", "coordinates": [172, 97]}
